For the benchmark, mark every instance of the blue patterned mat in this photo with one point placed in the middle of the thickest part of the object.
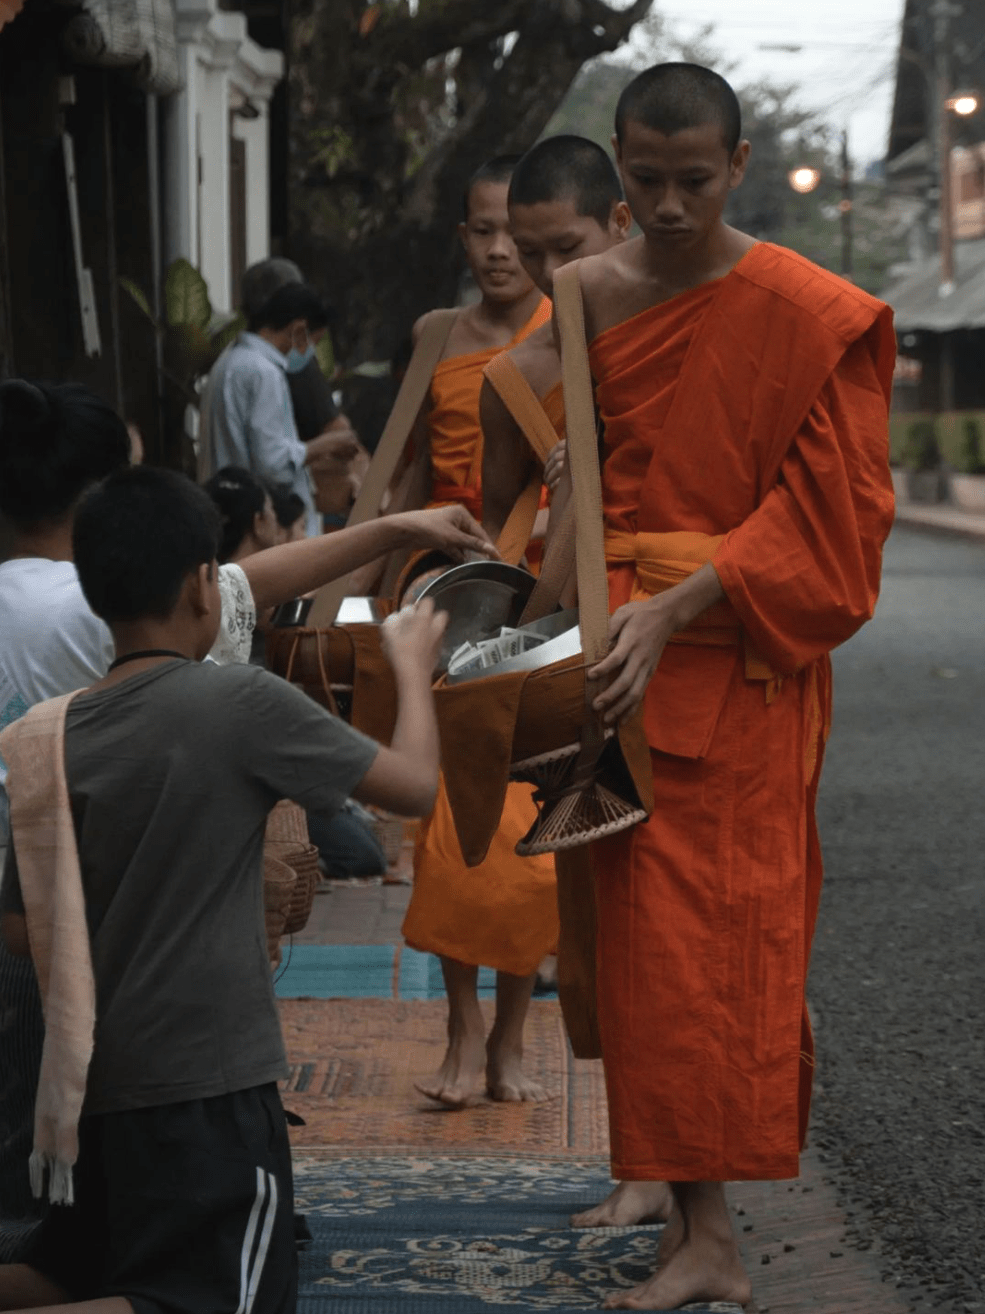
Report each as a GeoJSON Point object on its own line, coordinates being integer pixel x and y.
{"type": "Point", "coordinates": [409, 1235]}
{"type": "Point", "coordinates": [365, 971]}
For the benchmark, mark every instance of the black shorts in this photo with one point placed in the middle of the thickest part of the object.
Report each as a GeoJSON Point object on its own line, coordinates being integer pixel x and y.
{"type": "Point", "coordinates": [181, 1208]}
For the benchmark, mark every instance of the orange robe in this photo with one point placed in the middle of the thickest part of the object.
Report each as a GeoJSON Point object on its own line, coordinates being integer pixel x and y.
{"type": "Point", "coordinates": [503, 913]}
{"type": "Point", "coordinates": [751, 413]}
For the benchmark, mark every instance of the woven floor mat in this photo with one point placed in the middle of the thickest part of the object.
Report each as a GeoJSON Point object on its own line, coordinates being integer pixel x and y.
{"type": "Point", "coordinates": [440, 1235]}
{"type": "Point", "coordinates": [353, 1067]}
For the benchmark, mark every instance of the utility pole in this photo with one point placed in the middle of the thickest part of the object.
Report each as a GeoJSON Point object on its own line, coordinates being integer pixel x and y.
{"type": "Point", "coordinates": [942, 12]}
{"type": "Point", "coordinates": [845, 207]}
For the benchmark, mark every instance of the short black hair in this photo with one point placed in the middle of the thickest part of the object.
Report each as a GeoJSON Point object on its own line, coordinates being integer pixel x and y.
{"type": "Point", "coordinates": [55, 440]}
{"type": "Point", "coordinates": [290, 302]}
{"type": "Point", "coordinates": [568, 168]}
{"type": "Point", "coordinates": [288, 506]}
{"type": "Point", "coordinates": [238, 497]}
{"type": "Point", "coordinates": [671, 97]}
{"type": "Point", "coordinates": [137, 536]}
{"type": "Point", "coordinates": [497, 170]}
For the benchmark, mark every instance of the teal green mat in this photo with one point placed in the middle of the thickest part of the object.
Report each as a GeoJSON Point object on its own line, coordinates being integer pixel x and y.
{"type": "Point", "coordinates": [364, 971]}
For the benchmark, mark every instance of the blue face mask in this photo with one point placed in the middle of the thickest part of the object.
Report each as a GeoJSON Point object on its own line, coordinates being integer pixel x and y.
{"type": "Point", "coordinates": [297, 360]}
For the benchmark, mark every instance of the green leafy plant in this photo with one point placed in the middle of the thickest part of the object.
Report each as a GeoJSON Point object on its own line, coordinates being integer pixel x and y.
{"type": "Point", "coordinates": [970, 456]}
{"type": "Point", "coordinates": [920, 449]}
{"type": "Point", "coordinates": [193, 335]}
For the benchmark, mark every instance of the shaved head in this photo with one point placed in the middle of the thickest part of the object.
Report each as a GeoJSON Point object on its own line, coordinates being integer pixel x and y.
{"type": "Point", "coordinates": [497, 170]}
{"type": "Point", "coordinates": [568, 168]}
{"type": "Point", "coordinates": [669, 98]}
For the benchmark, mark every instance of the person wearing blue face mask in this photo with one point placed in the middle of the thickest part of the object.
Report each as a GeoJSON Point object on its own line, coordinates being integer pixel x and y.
{"type": "Point", "coordinates": [247, 416]}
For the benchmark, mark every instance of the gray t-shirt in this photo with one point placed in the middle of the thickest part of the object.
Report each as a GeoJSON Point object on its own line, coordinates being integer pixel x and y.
{"type": "Point", "coordinates": [171, 775]}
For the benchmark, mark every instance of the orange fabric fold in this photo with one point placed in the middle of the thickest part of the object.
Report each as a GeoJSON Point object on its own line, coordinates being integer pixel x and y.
{"type": "Point", "coordinates": [663, 560]}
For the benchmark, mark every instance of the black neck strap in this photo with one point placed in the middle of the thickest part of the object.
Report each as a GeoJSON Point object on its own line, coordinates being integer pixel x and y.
{"type": "Point", "coordinates": [147, 652]}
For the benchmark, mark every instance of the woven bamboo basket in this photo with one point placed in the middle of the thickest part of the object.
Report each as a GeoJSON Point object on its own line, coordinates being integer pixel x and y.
{"type": "Point", "coordinates": [278, 891]}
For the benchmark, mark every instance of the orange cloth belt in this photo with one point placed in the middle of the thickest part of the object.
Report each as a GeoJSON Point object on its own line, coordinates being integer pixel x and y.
{"type": "Point", "coordinates": [663, 560]}
{"type": "Point", "coordinates": [464, 494]}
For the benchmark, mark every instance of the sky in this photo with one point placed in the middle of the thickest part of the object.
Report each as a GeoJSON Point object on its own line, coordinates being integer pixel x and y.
{"type": "Point", "coordinates": [845, 67]}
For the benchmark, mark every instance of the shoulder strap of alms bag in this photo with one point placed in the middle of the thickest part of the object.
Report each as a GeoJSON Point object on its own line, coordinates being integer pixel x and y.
{"type": "Point", "coordinates": [528, 413]}
{"type": "Point", "coordinates": [390, 448]}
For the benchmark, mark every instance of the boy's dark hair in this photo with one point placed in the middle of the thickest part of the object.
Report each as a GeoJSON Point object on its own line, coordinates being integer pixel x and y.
{"type": "Point", "coordinates": [290, 302]}
{"type": "Point", "coordinates": [238, 497]}
{"type": "Point", "coordinates": [497, 170]}
{"type": "Point", "coordinates": [671, 97]}
{"type": "Point", "coordinates": [136, 537]}
{"type": "Point", "coordinates": [568, 168]}
{"type": "Point", "coordinates": [288, 506]}
{"type": "Point", "coordinates": [55, 440]}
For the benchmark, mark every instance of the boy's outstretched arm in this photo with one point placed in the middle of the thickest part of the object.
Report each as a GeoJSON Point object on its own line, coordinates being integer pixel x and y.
{"type": "Point", "coordinates": [404, 777]}
{"type": "Point", "coordinates": [279, 574]}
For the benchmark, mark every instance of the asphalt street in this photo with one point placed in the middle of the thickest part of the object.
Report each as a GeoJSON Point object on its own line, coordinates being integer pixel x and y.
{"type": "Point", "coordinates": [897, 979]}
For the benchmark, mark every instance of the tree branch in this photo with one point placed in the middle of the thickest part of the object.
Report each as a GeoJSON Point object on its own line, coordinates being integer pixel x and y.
{"type": "Point", "coordinates": [441, 26]}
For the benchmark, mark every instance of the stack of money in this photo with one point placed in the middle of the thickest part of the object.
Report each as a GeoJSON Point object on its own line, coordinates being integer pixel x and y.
{"type": "Point", "coordinates": [490, 652]}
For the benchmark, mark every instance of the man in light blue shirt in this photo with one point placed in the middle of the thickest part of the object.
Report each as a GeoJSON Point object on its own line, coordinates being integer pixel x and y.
{"type": "Point", "coordinates": [247, 416]}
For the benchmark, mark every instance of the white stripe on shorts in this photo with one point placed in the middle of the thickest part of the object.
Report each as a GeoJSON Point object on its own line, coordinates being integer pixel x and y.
{"type": "Point", "coordinates": [249, 1275]}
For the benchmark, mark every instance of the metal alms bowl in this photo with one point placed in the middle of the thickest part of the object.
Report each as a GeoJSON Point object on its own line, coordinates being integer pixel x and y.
{"type": "Point", "coordinates": [562, 639]}
{"type": "Point", "coordinates": [480, 597]}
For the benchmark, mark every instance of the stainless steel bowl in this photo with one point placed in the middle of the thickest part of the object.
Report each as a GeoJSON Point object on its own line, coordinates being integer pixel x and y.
{"type": "Point", "coordinates": [563, 640]}
{"type": "Point", "coordinates": [480, 598]}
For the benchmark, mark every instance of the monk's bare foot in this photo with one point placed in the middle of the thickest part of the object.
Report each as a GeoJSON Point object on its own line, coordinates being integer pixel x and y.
{"type": "Point", "coordinates": [671, 1238]}
{"type": "Point", "coordinates": [507, 1081]}
{"type": "Point", "coordinates": [630, 1204]}
{"type": "Point", "coordinates": [704, 1269]}
{"type": "Point", "coordinates": [460, 1079]}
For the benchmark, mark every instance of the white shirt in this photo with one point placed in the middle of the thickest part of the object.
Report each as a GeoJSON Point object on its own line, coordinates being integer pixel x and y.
{"type": "Point", "coordinates": [52, 644]}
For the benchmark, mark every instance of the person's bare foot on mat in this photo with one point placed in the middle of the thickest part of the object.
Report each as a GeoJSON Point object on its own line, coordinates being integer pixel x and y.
{"type": "Point", "coordinates": [696, 1271]}
{"type": "Point", "coordinates": [461, 1078]}
{"type": "Point", "coordinates": [630, 1204]}
{"type": "Point", "coordinates": [506, 1079]}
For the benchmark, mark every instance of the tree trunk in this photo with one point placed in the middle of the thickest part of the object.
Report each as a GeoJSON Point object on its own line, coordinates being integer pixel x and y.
{"type": "Point", "coordinates": [391, 113]}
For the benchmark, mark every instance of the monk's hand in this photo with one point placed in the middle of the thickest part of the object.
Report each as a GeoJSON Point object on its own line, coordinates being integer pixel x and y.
{"type": "Point", "coordinates": [554, 465]}
{"type": "Point", "coordinates": [448, 529]}
{"type": "Point", "coordinates": [411, 639]}
{"type": "Point", "coordinates": [639, 632]}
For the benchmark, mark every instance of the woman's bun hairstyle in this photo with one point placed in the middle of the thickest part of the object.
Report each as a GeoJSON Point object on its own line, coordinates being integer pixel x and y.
{"type": "Point", "coordinates": [55, 440]}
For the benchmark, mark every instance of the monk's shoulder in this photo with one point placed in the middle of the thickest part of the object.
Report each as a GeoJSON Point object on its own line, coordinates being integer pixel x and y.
{"type": "Point", "coordinates": [536, 359]}
{"type": "Point", "coordinates": [813, 292]}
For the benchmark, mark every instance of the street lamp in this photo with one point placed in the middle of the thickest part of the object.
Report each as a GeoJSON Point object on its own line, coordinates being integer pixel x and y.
{"type": "Point", "coordinates": [963, 103]}
{"type": "Point", "coordinates": [804, 179]}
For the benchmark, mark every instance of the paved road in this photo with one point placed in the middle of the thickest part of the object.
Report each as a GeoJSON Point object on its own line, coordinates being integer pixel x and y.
{"type": "Point", "coordinates": [897, 978]}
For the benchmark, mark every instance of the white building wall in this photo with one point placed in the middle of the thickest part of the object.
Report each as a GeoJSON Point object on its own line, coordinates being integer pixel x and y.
{"type": "Point", "coordinates": [222, 71]}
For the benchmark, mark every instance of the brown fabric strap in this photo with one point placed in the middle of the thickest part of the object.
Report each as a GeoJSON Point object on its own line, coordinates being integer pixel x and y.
{"type": "Point", "coordinates": [579, 410]}
{"type": "Point", "coordinates": [527, 411]}
{"type": "Point", "coordinates": [555, 570]}
{"type": "Point", "coordinates": [523, 404]}
{"type": "Point", "coordinates": [390, 448]}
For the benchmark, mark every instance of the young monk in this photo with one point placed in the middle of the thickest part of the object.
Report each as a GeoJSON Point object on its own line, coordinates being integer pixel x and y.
{"type": "Point", "coordinates": [566, 202]}
{"type": "Point", "coordinates": [747, 496]}
{"type": "Point", "coordinates": [503, 913]}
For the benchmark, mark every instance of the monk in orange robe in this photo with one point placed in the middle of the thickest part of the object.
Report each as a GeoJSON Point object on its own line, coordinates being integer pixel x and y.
{"type": "Point", "coordinates": [747, 496]}
{"type": "Point", "coordinates": [503, 913]}
{"type": "Point", "coordinates": [566, 202]}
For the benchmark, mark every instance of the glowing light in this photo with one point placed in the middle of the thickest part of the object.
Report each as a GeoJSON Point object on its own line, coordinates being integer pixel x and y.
{"type": "Point", "coordinates": [804, 179]}
{"type": "Point", "coordinates": [963, 104]}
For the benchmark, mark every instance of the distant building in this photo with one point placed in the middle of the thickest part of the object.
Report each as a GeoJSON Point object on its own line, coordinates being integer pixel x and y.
{"type": "Point", "coordinates": [941, 330]}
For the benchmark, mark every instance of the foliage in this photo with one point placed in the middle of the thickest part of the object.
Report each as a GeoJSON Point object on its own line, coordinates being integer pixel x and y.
{"type": "Point", "coordinates": [193, 336]}
{"type": "Point", "coordinates": [920, 449]}
{"type": "Point", "coordinates": [392, 108]}
{"type": "Point", "coordinates": [970, 458]}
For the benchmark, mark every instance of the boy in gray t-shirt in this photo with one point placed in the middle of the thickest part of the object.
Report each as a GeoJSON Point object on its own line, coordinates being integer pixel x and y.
{"type": "Point", "coordinates": [183, 1197]}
